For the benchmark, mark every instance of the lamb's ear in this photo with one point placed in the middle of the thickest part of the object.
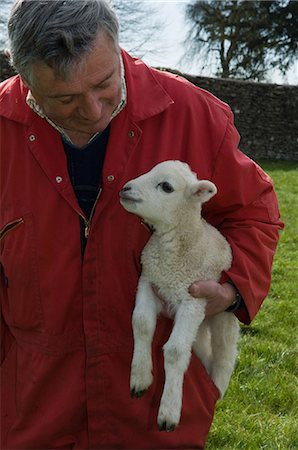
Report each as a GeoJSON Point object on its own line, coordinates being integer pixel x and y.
{"type": "Point", "coordinates": [203, 190]}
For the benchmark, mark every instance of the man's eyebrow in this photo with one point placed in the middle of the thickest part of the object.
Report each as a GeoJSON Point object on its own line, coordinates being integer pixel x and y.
{"type": "Point", "coordinates": [71, 94]}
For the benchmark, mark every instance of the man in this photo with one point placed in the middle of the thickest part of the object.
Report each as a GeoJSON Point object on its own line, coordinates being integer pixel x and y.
{"type": "Point", "coordinates": [81, 119]}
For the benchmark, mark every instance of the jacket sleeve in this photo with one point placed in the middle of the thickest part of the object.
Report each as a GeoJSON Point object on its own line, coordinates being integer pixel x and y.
{"type": "Point", "coordinates": [246, 212]}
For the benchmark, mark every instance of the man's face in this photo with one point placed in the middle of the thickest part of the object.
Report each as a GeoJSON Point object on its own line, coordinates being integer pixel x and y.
{"type": "Point", "coordinates": [84, 103]}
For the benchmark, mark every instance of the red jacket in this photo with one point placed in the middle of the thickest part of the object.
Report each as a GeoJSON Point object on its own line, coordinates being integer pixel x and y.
{"type": "Point", "coordinates": [66, 334]}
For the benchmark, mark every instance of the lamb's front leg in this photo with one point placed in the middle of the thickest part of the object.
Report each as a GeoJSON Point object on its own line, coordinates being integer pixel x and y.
{"type": "Point", "coordinates": [177, 353]}
{"type": "Point", "coordinates": [143, 324]}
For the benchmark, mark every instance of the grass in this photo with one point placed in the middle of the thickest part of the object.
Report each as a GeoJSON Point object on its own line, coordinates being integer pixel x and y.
{"type": "Point", "coordinates": [260, 409]}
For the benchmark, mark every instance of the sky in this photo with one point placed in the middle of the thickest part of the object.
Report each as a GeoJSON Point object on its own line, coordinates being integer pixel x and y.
{"type": "Point", "coordinates": [168, 44]}
{"type": "Point", "coordinates": [172, 12]}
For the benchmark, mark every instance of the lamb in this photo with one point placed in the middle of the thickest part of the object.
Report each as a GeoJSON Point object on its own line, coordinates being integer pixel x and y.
{"type": "Point", "coordinates": [182, 249]}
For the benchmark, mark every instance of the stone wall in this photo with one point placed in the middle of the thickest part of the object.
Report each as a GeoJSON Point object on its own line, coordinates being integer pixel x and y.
{"type": "Point", "coordinates": [266, 115]}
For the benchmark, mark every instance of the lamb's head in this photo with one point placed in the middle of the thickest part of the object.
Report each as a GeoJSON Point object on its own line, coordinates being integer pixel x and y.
{"type": "Point", "coordinates": [166, 191]}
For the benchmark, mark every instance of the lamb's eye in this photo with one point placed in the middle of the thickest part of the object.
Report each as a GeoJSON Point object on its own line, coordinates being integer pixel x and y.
{"type": "Point", "coordinates": [166, 187]}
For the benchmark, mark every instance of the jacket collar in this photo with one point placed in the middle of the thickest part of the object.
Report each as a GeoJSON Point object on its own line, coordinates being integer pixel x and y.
{"type": "Point", "coordinates": [145, 95]}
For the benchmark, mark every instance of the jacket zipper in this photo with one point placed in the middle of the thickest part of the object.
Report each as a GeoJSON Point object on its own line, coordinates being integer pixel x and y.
{"type": "Point", "coordinates": [88, 222]}
{"type": "Point", "coordinates": [10, 226]}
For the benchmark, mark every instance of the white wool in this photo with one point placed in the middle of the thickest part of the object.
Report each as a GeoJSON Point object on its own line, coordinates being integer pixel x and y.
{"type": "Point", "coordinates": [183, 248]}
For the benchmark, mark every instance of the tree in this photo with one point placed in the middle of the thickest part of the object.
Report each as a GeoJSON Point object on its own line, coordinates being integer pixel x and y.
{"type": "Point", "coordinates": [244, 39]}
{"type": "Point", "coordinates": [139, 26]}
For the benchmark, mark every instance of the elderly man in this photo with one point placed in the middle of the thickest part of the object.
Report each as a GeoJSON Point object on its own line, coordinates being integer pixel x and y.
{"type": "Point", "coordinates": [80, 119]}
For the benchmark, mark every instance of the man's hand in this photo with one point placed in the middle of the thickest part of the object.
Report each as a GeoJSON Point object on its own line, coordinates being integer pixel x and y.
{"type": "Point", "coordinates": [219, 296]}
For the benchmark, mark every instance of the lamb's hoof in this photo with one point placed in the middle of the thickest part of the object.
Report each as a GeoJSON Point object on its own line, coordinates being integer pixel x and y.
{"type": "Point", "coordinates": [137, 394]}
{"type": "Point", "coordinates": [169, 427]}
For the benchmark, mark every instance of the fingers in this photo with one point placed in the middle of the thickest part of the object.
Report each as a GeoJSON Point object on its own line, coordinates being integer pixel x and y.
{"type": "Point", "coordinates": [219, 296]}
{"type": "Point", "coordinates": [206, 289]}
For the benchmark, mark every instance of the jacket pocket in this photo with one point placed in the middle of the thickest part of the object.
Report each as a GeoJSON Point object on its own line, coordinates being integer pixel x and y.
{"type": "Point", "coordinates": [10, 227]}
{"type": "Point", "coordinates": [18, 257]}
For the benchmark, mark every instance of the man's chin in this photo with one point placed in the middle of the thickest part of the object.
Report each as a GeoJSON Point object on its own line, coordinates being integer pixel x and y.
{"type": "Point", "coordinates": [89, 129]}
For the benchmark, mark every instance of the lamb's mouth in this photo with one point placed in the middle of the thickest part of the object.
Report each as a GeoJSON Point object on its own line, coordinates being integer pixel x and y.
{"type": "Point", "coordinates": [125, 197]}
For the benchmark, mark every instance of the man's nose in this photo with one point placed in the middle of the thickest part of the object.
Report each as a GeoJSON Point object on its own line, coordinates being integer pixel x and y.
{"type": "Point", "coordinates": [91, 107]}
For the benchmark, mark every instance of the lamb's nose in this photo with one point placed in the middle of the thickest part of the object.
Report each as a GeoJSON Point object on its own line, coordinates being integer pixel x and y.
{"type": "Point", "coordinates": [126, 188]}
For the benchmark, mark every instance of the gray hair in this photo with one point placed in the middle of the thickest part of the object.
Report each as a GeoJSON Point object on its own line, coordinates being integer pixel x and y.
{"type": "Point", "coordinates": [57, 32]}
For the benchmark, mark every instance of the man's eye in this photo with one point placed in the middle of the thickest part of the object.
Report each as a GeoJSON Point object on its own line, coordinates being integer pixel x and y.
{"type": "Point", "coordinates": [103, 85]}
{"type": "Point", "coordinates": [66, 100]}
{"type": "Point", "coordinates": [166, 187]}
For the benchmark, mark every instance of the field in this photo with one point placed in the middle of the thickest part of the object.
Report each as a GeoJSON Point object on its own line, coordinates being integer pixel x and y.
{"type": "Point", "coordinates": [260, 409]}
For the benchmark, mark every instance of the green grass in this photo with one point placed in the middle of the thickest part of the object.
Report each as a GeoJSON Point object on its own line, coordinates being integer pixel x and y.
{"type": "Point", "coordinates": [260, 409]}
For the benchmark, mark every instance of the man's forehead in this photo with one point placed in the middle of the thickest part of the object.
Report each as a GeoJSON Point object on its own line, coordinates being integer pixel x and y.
{"type": "Point", "coordinates": [80, 79]}
{"type": "Point", "coordinates": [93, 68]}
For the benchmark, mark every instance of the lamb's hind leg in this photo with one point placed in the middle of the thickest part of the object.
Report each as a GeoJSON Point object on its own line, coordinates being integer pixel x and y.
{"type": "Point", "coordinates": [177, 353]}
{"type": "Point", "coordinates": [224, 337]}
{"type": "Point", "coordinates": [143, 324]}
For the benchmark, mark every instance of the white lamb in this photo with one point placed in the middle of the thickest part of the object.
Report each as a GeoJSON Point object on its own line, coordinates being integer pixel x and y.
{"type": "Point", "coordinates": [182, 249]}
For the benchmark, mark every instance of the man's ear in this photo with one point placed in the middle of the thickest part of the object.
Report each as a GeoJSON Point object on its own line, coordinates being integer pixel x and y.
{"type": "Point", "coordinates": [203, 190]}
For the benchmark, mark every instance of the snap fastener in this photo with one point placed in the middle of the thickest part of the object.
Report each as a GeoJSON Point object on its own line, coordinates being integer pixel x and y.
{"type": "Point", "coordinates": [32, 138]}
{"type": "Point", "coordinates": [111, 178]}
{"type": "Point", "coordinates": [58, 179]}
{"type": "Point", "coordinates": [131, 133]}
